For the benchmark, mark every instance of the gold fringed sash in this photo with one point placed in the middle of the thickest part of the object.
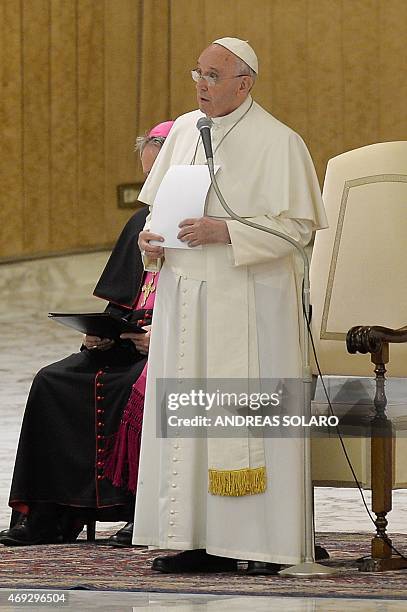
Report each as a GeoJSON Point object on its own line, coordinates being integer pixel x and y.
{"type": "Point", "coordinates": [236, 464]}
{"type": "Point", "coordinates": [235, 483]}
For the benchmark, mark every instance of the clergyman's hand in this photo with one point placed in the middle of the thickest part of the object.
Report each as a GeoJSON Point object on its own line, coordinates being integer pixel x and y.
{"type": "Point", "coordinates": [152, 251]}
{"type": "Point", "coordinates": [204, 231]}
{"type": "Point", "coordinates": [94, 342]}
{"type": "Point", "coordinates": [140, 341]}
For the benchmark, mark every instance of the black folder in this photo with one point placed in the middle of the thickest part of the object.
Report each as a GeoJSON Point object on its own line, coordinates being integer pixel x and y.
{"type": "Point", "coordinates": [101, 324]}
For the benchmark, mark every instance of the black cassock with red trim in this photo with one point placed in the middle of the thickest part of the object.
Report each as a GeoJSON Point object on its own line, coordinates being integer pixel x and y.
{"type": "Point", "coordinates": [74, 409]}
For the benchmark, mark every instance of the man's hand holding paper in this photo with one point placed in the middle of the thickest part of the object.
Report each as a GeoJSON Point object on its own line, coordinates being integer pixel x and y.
{"type": "Point", "coordinates": [151, 250]}
{"type": "Point", "coordinates": [180, 199]}
{"type": "Point", "coordinates": [205, 230]}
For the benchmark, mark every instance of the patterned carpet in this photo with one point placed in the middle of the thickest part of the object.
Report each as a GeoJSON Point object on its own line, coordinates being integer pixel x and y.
{"type": "Point", "coordinates": [100, 567]}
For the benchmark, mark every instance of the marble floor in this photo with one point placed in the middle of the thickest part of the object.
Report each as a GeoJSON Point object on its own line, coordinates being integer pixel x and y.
{"type": "Point", "coordinates": [156, 602]}
{"type": "Point", "coordinates": [29, 340]}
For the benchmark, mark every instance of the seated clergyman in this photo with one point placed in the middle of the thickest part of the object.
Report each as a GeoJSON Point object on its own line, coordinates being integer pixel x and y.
{"type": "Point", "coordinates": [77, 458]}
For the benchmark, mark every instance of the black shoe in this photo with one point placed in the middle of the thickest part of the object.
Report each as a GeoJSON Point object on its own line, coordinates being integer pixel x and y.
{"type": "Point", "coordinates": [261, 568]}
{"type": "Point", "coordinates": [4, 532]}
{"type": "Point", "coordinates": [123, 537]}
{"type": "Point", "coordinates": [22, 535]}
{"type": "Point", "coordinates": [193, 561]}
{"type": "Point", "coordinates": [321, 553]}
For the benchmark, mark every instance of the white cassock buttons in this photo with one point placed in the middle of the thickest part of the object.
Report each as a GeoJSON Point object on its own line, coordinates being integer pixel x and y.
{"type": "Point", "coordinates": [183, 330]}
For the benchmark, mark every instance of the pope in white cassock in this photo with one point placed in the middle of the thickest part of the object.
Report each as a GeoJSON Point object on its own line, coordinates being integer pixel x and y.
{"type": "Point", "coordinates": [229, 309]}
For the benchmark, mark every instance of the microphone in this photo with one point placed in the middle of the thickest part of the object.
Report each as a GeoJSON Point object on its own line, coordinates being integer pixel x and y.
{"type": "Point", "coordinates": [204, 125]}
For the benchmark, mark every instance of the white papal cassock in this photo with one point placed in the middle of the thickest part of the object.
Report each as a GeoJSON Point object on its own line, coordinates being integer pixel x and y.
{"type": "Point", "coordinates": [227, 311]}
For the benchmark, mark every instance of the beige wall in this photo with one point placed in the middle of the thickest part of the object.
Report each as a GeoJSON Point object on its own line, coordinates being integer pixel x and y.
{"type": "Point", "coordinates": [80, 78]}
{"type": "Point", "coordinates": [67, 122]}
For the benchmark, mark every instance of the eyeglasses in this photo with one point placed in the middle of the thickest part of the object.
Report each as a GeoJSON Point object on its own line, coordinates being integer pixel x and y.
{"type": "Point", "coordinates": [211, 79]}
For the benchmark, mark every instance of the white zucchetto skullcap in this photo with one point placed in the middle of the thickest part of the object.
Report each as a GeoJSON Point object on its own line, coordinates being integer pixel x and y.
{"type": "Point", "coordinates": [242, 49]}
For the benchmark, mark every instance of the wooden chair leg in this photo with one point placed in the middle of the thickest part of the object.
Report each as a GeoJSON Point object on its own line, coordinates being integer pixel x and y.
{"type": "Point", "coordinates": [91, 531]}
{"type": "Point", "coordinates": [375, 340]}
{"type": "Point", "coordinates": [382, 558]}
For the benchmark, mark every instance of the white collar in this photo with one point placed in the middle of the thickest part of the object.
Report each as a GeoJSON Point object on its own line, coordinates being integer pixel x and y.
{"type": "Point", "coordinates": [234, 116]}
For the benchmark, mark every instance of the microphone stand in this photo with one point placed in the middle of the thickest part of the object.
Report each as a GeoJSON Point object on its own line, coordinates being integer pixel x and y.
{"type": "Point", "coordinates": [308, 567]}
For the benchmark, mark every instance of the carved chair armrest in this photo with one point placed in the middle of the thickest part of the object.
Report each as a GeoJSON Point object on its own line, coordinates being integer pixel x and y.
{"type": "Point", "coordinates": [372, 338]}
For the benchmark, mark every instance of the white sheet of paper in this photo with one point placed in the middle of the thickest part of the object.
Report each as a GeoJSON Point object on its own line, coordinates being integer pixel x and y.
{"type": "Point", "coordinates": [181, 195]}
